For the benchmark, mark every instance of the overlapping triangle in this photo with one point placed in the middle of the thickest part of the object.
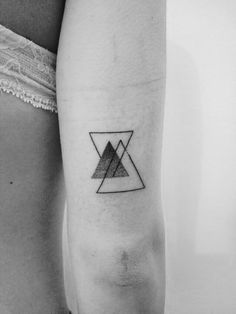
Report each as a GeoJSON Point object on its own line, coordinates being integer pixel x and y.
{"type": "Point", "coordinates": [115, 169]}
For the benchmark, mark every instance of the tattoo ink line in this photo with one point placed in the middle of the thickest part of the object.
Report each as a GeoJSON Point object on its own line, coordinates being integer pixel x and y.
{"type": "Point", "coordinates": [110, 165]}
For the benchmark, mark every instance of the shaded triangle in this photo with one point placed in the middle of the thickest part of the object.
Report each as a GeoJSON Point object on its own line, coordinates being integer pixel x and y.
{"type": "Point", "coordinates": [133, 182]}
{"type": "Point", "coordinates": [109, 165]}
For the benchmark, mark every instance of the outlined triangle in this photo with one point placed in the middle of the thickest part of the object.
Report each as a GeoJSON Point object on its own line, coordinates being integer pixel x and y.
{"type": "Point", "coordinates": [130, 183]}
{"type": "Point", "coordinates": [100, 139]}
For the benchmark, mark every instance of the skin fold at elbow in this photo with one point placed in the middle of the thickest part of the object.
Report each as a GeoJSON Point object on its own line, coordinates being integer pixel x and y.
{"type": "Point", "coordinates": [123, 264]}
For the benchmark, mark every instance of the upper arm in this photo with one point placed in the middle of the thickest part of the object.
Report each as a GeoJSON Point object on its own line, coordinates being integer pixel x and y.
{"type": "Point", "coordinates": [110, 87]}
{"type": "Point", "coordinates": [110, 91]}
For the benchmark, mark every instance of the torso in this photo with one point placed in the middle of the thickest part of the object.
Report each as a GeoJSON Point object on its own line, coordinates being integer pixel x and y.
{"type": "Point", "coordinates": [31, 181]}
{"type": "Point", "coordinates": [39, 21]}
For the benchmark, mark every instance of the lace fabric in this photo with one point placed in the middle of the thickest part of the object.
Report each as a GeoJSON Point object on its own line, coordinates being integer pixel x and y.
{"type": "Point", "coordinates": [27, 70]}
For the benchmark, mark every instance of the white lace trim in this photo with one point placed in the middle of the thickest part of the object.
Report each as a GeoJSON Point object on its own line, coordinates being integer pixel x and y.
{"type": "Point", "coordinates": [27, 70]}
{"type": "Point", "coordinates": [31, 98]}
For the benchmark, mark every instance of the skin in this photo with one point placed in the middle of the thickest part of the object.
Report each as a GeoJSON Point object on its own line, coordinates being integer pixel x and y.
{"type": "Point", "coordinates": [113, 80]}
{"type": "Point", "coordinates": [31, 181]}
{"type": "Point", "coordinates": [25, 18]}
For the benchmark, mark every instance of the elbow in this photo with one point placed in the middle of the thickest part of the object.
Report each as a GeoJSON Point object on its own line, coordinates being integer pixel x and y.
{"type": "Point", "coordinates": [127, 263]}
{"type": "Point", "coordinates": [129, 270]}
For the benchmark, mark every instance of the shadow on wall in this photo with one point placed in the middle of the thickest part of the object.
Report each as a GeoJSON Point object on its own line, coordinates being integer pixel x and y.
{"type": "Point", "coordinates": [198, 190]}
{"type": "Point", "coordinates": [181, 168]}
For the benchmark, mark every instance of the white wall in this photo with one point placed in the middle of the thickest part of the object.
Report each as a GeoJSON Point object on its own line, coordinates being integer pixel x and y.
{"type": "Point", "coordinates": [199, 157]}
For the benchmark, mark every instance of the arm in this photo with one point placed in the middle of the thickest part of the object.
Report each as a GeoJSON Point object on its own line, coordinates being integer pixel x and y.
{"type": "Point", "coordinates": [110, 82]}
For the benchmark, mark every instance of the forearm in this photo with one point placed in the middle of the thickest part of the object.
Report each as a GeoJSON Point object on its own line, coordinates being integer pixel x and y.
{"type": "Point", "coordinates": [111, 74]}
